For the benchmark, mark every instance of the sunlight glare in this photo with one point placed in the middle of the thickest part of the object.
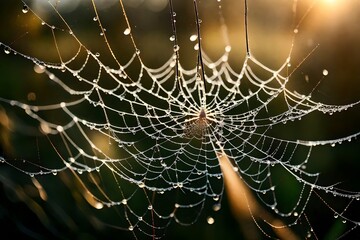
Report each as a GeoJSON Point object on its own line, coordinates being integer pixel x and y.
{"type": "Point", "coordinates": [330, 2]}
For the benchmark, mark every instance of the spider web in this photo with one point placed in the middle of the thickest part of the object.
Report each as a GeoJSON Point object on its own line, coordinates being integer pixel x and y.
{"type": "Point", "coordinates": [144, 142]}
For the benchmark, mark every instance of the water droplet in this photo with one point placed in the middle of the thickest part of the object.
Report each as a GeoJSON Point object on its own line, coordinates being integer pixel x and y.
{"type": "Point", "coordinates": [296, 30]}
{"type": "Point", "coordinates": [325, 72]}
{"type": "Point", "coordinates": [95, 19]}
{"type": "Point", "coordinates": [176, 48]}
{"type": "Point", "coordinates": [59, 128]}
{"type": "Point", "coordinates": [97, 54]}
{"type": "Point", "coordinates": [141, 185]}
{"type": "Point", "coordinates": [25, 9]}
{"type": "Point", "coordinates": [193, 37]}
{"type": "Point", "coordinates": [131, 228]}
{"type": "Point", "coordinates": [137, 51]}
{"type": "Point", "coordinates": [127, 31]}
{"type": "Point", "coordinates": [336, 216]}
{"type": "Point", "coordinates": [172, 38]}
{"type": "Point", "coordinates": [216, 207]}
{"type": "Point", "coordinates": [7, 50]}
{"type": "Point", "coordinates": [196, 46]}
{"type": "Point", "coordinates": [210, 220]}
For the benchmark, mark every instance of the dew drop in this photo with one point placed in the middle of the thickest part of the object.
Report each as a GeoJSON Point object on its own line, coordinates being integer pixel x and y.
{"type": "Point", "coordinates": [131, 228]}
{"type": "Point", "coordinates": [193, 37]}
{"type": "Point", "coordinates": [176, 48]}
{"type": "Point", "coordinates": [141, 185]}
{"type": "Point", "coordinates": [307, 78]}
{"type": "Point", "coordinates": [216, 207]}
{"type": "Point", "coordinates": [172, 38]}
{"type": "Point", "coordinates": [127, 31]}
{"type": "Point", "coordinates": [25, 9]}
{"type": "Point", "coordinates": [97, 54]}
{"type": "Point", "coordinates": [325, 72]}
{"type": "Point", "coordinates": [59, 128]}
{"type": "Point", "coordinates": [210, 220]}
{"type": "Point", "coordinates": [296, 30]}
{"type": "Point", "coordinates": [95, 19]}
{"type": "Point", "coordinates": [7, 50]}
{"type": "Point", "coordinates": [228, 48]}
